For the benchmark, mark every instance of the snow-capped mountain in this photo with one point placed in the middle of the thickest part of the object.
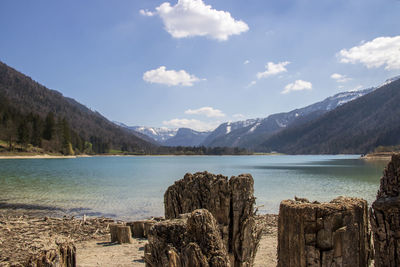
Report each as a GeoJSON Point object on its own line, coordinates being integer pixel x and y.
{"type": "Point", "coordinates": [159, 134]}
{"type": "Point", "coordinates": [249, 133]}
{"type": "Point", "coordinates": [168, 137]}
{"type": "Point", "coordinates": [357, 127]}
{"type": "Point", "coordinates": [186, 137]}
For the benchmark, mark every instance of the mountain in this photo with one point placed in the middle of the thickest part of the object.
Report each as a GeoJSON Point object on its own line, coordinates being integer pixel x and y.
{"type": "Point", "coordinates": [30, 111]}
{"type": "Point", "coordinates": [356, 127]}
{"type": "Point", "coordinates": [169, 137]}
{"type": "Point", "coordinates": [186, 137]}
{"type": "Point", "coordinates": [137, 133]}
{"type": "Point", "coordinates": [251, 133]}
{"type": "Point", "coordinates": [158, 134]}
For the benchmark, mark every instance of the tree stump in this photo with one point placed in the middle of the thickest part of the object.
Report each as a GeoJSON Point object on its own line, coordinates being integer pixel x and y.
{"type": "Point", "coordinates": [147, 226]}
{"type": "Point", "coordinates": [385, 217]}
{"type": "Point", "coordinates": [231, 202]}
{"type": "Point", "coordinates": [137, 228]}
{"type": "Point", "coordinates": [327, 234]}
{"type": "Point", "coordinates": [121, 234]}
{"type": "Point", "coordinates": [193, 241]}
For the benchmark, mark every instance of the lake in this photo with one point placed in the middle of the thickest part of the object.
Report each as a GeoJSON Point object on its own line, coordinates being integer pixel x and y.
{"type": "Point", "coordinates": [133, 187]}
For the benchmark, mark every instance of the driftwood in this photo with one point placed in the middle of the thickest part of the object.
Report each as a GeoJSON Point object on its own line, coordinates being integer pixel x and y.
{"type": "Point", "coordinates": [32, 241]}
{"type": "Point", "coordinates": [61, 253]}
{"type": "Point", "coordinates": [327, 234]}
{"type": "Point", "coordinates": [385, 217]}
{"type": "Point", "coordinates": [231, 202]}
{"type": "Point", "coordinates": [191, 241]}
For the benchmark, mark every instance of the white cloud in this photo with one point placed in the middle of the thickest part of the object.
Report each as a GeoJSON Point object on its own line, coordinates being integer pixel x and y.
{"type": "Point", "coordinates": [251, 84]}
{"type": "Point", "coordinates": [273, 69]}
{"type": "Point", "coordinates": [246, 62]}
{"type": "Point", "coordinates": [358, 87]}
{"type": "Point", "coordinates": [382, 51]}
{"type": "Point", "coordinates": [170, 77]}
{"type": "Point", "coordinates": [298, 85]}
{"type": "Point", "coordinates": [146, 13]}
{"type": "Point", "coordinates": [238, 116]}
{"type": "Point", "coordinates": [194, 18]}
{"type": "Point", "coordinates": [207, 111]}
{"type": "Point", "coordinates": [192, 124]}
{"type": "Point", "coordinates": [340, 78]}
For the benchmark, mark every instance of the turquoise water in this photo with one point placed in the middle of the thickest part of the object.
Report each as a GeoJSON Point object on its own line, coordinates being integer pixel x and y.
{"type": "Point", "coordinates": [133, 187]}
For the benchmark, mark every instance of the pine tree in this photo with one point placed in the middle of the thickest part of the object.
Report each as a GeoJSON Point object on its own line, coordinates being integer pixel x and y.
{"type": "Point", "coordinates": [49, 126]}
{"type": "Point", "coordinates": [23, 133]}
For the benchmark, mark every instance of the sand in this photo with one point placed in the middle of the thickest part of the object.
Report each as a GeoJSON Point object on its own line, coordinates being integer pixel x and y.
{"type": "Point", "coordinates": [104, 253]}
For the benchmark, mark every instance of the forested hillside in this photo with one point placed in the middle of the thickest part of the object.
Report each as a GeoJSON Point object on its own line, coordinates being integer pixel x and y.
{"type": "Point", "coordinates": [32, 115]}
{"type": "Point", "coordinates": [358, 127]}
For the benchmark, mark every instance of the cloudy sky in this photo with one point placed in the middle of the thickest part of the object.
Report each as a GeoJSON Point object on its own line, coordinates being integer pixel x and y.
{"type": "Point", "coordinates": [194, 63]}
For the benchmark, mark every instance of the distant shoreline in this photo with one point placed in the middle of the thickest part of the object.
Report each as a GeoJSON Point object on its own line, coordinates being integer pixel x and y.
{"type": "Point", "coordinates": [378, 156]}
{"type": "Point", "coordinates": [47, 156]}
{"type": "Point", "coordinates": [41, 156]}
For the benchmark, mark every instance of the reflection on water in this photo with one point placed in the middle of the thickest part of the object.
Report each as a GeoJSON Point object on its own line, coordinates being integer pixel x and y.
{"type": "Point", "coordinates": [133, 187]}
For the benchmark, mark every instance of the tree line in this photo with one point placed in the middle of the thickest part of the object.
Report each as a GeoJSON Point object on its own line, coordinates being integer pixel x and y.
{"type": "Point", "coordinates": [28, 132]}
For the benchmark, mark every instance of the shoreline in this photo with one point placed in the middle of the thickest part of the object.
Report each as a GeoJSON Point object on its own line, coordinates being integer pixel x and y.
{"type": "Point", "coordinates": [49, 156]}
{"type": "Point", "coordinates": [42, 156]}
{"type": "Point", "coordinates": [385, 156]}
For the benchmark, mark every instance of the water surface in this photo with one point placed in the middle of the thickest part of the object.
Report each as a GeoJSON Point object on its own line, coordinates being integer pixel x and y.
{"type": "Point", "coordinates": [133, 187]}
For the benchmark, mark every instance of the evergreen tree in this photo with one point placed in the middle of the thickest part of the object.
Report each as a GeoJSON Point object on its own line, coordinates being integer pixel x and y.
{"type": "Point", "coordinates": [36, 139]}
{"type": "Point", "coordinates": [23, 133]}
{"type": "Point", "coordinates": [66, 138]}
{"type": "Point", "coordinates": [49, 126]}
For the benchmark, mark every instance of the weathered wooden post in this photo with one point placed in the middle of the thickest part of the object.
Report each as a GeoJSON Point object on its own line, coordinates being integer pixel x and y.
{"type": "Point", "coordinates": [121, 233]}
{"type": "Point", "coordinates": [231, 202]}
{"type": "Point", "coordinates": [326, 234]}
{"type": "Point", "coordinates": [385, 217]}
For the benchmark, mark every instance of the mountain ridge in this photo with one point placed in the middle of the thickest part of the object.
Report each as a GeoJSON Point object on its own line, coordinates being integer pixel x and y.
{"type": "Point", "coordinates": [356, 127]}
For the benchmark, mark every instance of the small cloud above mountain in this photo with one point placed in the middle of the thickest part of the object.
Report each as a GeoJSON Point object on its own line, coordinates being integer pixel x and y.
{"type": "Point", "coordinates": [340, 78]}
{"type": "Point", "coordinates": [298, 85]}
{"type": "Point", "coordinates": [170, 77]}
{"type": "Point", "coordinates": [207, 111]}
{"type": "Point", "coordinates": [192, 124]}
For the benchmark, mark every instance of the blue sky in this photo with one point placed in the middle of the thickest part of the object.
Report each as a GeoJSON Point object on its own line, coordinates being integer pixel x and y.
{"type": "Point", "coordinates": [199, 63]}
